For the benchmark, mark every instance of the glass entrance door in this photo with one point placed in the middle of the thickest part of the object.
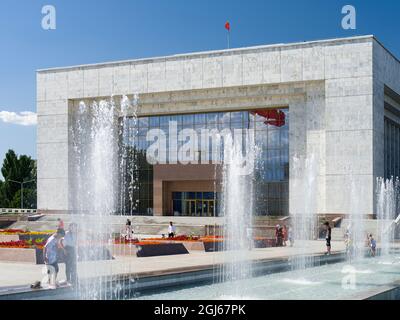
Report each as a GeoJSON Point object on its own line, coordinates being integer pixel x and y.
{"type": "Point", "coordinates": [190, 207]}
{"type": "Point", "coordinates": [208, 208]}
{"type": "Point", "coordinates": [211, 212]}
{"type": "Point", "coordinates": [195, 204]}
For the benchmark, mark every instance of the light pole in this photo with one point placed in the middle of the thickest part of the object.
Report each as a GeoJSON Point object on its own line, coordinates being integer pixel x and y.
{"type": "Point", "coordinates": [22, 189]}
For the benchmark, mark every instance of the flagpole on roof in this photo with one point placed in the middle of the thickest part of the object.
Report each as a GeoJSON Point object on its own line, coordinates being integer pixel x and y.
{"type": "Point", "coordinates": [228, 27]}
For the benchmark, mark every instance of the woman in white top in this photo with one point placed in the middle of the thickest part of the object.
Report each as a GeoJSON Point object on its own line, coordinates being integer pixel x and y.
{"type": "Point", "coordinates": [171, 230]}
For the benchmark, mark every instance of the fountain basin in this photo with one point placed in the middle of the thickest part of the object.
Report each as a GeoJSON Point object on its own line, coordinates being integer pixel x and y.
{"type": "Point", "coordinates": [369, 278]}
{"type": "Point", "coordinates": [142, 283]}
{"type": "Point", "coordinates": [375, 279]}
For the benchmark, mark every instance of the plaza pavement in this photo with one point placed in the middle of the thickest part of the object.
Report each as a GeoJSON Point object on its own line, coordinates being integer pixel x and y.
{"type": "Point", "coordinates": [23, 274]}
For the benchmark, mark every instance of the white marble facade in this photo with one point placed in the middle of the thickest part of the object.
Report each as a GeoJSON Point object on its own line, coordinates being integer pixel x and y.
{"type": "Point", "coordinates": [334, 90]}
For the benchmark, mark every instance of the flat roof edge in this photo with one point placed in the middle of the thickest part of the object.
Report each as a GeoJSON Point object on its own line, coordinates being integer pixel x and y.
{"type": "Point", "coordinates": [386, 49]}
{"type": "Point", "coordinates": [204, 53]}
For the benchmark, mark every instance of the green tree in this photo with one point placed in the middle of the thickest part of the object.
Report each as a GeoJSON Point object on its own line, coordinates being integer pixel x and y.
{"type": "Point", "coordinates": [22, 168]}
{"type": "Point", "coordinates": [29, 199]}
{"type": "Point", "coordinates": [3, 199]}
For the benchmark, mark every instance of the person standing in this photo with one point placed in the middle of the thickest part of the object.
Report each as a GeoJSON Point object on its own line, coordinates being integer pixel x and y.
{"type": "Point", "coordinates": [280, 237]}
{"type": "Point", "coordinates": [372, 245]}
{"type": "Point", "coordinates": [328, 237]}
{"type": "Point", "coordinates": [171, 230]}
{"type": "Point", "coordinates": [70, 250]}
{"type": "Point", "coordinates": [284, 235]}
{"type": "Point", "coordinates": [128, 229]}
{"type": "Point", "coordinates": [277, 235]}
{"type": "Point", "coordinates": [349, 245]}
{"type": "Point", "coordinates": [50, 256]}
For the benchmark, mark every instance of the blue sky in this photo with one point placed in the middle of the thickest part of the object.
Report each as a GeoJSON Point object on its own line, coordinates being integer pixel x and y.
{"type": "Point", "coordinates": [90, 31]}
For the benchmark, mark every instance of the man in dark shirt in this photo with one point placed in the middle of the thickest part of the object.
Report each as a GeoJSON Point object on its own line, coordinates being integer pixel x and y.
{"type": "Point", "coordinates": [328, 237]}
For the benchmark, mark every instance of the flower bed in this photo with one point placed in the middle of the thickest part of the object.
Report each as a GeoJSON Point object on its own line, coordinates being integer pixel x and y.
{"type": "Point", "coordinates": [189, 238]}
{"type": "Point", "coordinates": [178, 238]}
{"type": "Point", "coordinates": [25, 232]}
{"type": "Point", "coordinates": [11, 231]}
{"type": "Point", "coordinates": [14, 244]}
{"type": "Point", "coordinates": [197, 243]}
{"type": "Point", "coordinates": [125, 241]}
{"type": "Point", "coordinates": [31, 243]}
{"type": "Point", "coordinates": [27, 244]}
{"type": "Point", "coordinates": [28, 251]}
{"type": "Point", "coordinates": [30, 237]}
{"type": "Point", "coordinates": [148, 243]}
{"type": "Point", "coordinates": [204, 243]}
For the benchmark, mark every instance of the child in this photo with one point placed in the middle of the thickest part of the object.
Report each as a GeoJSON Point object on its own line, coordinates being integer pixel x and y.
{"type": "Point", "coordinates": [372, 244]}
{"type": "Point", "coordinates": [349, 245]}
{"type": "Point", "coordinates": [50, 255]}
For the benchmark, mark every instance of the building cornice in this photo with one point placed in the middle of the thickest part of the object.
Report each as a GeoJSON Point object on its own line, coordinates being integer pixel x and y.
{"type": "Point", "coordinates": [272, 47]}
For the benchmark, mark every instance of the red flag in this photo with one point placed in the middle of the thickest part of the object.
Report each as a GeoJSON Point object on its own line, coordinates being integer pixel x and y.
{"type": "Point", "coordinates": [228, 26]}
{"type": "Point", "coordinates": [273, 117]}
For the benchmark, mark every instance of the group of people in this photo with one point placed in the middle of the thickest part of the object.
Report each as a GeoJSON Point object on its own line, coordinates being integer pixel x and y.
{"type": "Point", "coordinates": [370, 243]}
{"type": "Point", "coordinates": [283, 234]}
{"type": "Point", "coordinates": [61, 247]}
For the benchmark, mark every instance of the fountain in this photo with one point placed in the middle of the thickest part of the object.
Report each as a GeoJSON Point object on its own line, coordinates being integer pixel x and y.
{"type": "Point", "coordinates": [237, 205]}
{"type": "Point", "coordinates": [387, 207]}
{"type": "Point", "coordinates": [104, 183]}
{"type": "Point", "coordinates": [128, 162]}
{"type": "Point", "coordinates": [303, 208]}
{"type": "Point", "coordinates": [355, 230]}
{"type": "Point", "coordinates": [98, 162]}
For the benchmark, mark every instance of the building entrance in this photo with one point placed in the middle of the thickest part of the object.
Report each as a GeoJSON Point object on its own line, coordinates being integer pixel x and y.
{"type": "Point", "coordinates": [194, 204]}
